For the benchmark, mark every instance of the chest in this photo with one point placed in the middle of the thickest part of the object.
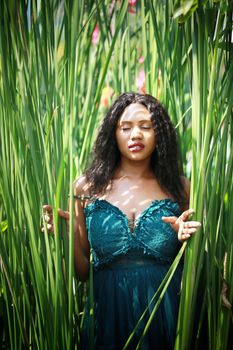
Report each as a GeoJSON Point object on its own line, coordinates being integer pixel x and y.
{"type": "Point", "coordinates": [133, 197]}
{"type": "Point", "coordinates": [110, 236]}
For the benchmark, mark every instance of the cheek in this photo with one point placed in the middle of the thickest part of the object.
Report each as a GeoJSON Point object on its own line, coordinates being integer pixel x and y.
{"type": "Point", "coordinates": [120, 140]}
{"type": "Point", "coordinates": [152, 141]}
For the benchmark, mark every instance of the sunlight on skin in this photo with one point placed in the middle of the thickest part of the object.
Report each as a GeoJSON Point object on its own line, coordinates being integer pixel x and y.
{"type": "Point", "coordinates": [135, 125]}
{"type": "Point", "coordinates": [132, 111]}
{"type": "Point", "coordinates": [134, 181]}
{"type": "Point", "coordinates": [127, 199]}
{"type": "Point", "coordinates": [125, 193]}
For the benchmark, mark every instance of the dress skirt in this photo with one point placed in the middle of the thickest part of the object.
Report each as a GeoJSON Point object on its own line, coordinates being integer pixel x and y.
{"type": "Point", "coordinates": [123, 290]}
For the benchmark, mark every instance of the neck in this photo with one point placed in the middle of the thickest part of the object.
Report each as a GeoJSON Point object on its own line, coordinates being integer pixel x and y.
{"type": "Point", "coordinates": [132, 169]}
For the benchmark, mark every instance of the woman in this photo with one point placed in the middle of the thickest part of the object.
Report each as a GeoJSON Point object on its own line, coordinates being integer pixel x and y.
{"type": "Point", "coordinates": [131, 209]}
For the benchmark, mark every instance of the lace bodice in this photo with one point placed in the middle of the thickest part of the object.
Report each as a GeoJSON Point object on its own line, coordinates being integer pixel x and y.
{"type": "Point", "coordinates": [110, 236]}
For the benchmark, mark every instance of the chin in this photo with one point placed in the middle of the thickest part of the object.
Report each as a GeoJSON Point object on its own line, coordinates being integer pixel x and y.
{"type": "Point", "coordinates": [139, 157]}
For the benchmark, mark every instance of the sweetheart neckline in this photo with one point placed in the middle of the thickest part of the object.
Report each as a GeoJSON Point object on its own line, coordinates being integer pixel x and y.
{"type": "Point", "coordinates": [143, 212]}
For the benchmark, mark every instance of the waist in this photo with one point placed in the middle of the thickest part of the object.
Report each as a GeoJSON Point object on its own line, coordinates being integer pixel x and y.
{"type": "Point", "coordinates": [128, 262]}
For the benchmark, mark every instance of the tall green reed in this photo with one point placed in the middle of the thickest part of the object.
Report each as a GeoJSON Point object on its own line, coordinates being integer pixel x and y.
{"type": "Point", "coordinates": [51, 83]}
{"type": "Point", "coordinates": [211, 151]}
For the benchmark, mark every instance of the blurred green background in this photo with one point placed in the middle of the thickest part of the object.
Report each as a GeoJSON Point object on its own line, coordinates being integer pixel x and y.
{"type": "Point", "coordinates": [62, 63]}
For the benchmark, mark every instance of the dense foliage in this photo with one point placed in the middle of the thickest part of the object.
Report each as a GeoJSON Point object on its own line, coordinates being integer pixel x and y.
{"type": "Point", "coordinates": [62, 62]}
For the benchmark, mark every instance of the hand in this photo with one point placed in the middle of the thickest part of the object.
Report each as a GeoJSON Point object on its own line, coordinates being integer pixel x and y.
{"type": "Point", "coordinates": [48, 217]}
{"type": "Point", "coordinates": [180, 224]}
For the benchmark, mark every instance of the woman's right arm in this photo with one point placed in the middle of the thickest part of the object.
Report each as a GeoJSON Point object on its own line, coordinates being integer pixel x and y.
{"type": "Point", "coordinates": [81, 244]}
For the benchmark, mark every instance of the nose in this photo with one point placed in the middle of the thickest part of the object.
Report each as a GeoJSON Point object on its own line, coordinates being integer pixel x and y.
{"type": "Point", "coordinates": [136, 133]}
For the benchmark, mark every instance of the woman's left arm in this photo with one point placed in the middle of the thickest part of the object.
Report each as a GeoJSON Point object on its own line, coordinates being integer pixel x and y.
{"type": "Point", "coordinates": [182, 225]}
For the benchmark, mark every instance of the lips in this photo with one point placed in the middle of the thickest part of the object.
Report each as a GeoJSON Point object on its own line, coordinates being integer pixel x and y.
{"type": "Point", "coordinates": [136, 147]}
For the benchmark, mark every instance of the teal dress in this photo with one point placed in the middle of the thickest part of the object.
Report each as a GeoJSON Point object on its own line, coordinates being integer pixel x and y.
{"type": "Point", "coordinates": [128, 269]}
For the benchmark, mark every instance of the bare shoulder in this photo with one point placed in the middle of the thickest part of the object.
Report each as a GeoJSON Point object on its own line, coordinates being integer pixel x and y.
{"type": "Point", "coordinates": [186, 184]}
{"type": "Point", "coordinates": [81, 186]}
{"type": "Point", "coordinates": [82, 191]}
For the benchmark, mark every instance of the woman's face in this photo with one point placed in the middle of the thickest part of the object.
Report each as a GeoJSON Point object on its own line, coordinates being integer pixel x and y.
{"type": "Point", "coordinates": [135, 135]}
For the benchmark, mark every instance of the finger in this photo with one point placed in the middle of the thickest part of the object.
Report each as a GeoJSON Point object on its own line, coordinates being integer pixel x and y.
{"type": "Point", "coordinates": [48, 218]}
{"type": "Point", "coordinates": [189, 231]}
{"type": "Point", "coordinates": [185, 233]}
{"type": "Point", "coordinates": [47, 208]}
{"type": "Point", "coordinates": [184, 238]}
{"type": "Point", "coordinates": [188, 224]}
{"type": "Point", "coordinates": [63, 214]}
{"type": "Point", "coordinates": [180, 231]}
{"type": "Point", "coordinates": [47, 228]}
{"type": "Point", "coordinates": [169, 219]}
{"type": "Point", "coordinates": [185, 215]}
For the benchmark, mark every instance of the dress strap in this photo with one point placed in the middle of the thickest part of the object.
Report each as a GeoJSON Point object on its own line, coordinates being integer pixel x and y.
{"type": "Point", "coordinates": [82, 197]}
{"type": "Point", "coordinates": [85, 200]}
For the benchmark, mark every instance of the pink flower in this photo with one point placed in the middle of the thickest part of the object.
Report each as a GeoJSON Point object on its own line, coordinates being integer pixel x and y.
{"type": "Point", "coordinates": [141, 82]}
{"type": "Point", "coordinates": [95, 35]}
{"type": "Point", "coordinates": [141, 59]}
{"type": "Point", "coordinates": [131, 6]}
{"type": "Point", "coordinates": [131, 10]}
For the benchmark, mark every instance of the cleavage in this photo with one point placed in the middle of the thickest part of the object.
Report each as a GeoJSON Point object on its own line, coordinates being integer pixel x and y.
{"type": "Point", "coordinates": [132, 222]}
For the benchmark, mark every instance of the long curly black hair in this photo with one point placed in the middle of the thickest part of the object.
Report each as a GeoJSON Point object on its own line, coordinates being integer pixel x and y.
{"type": "Point", "coordinates": [165, 161]}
